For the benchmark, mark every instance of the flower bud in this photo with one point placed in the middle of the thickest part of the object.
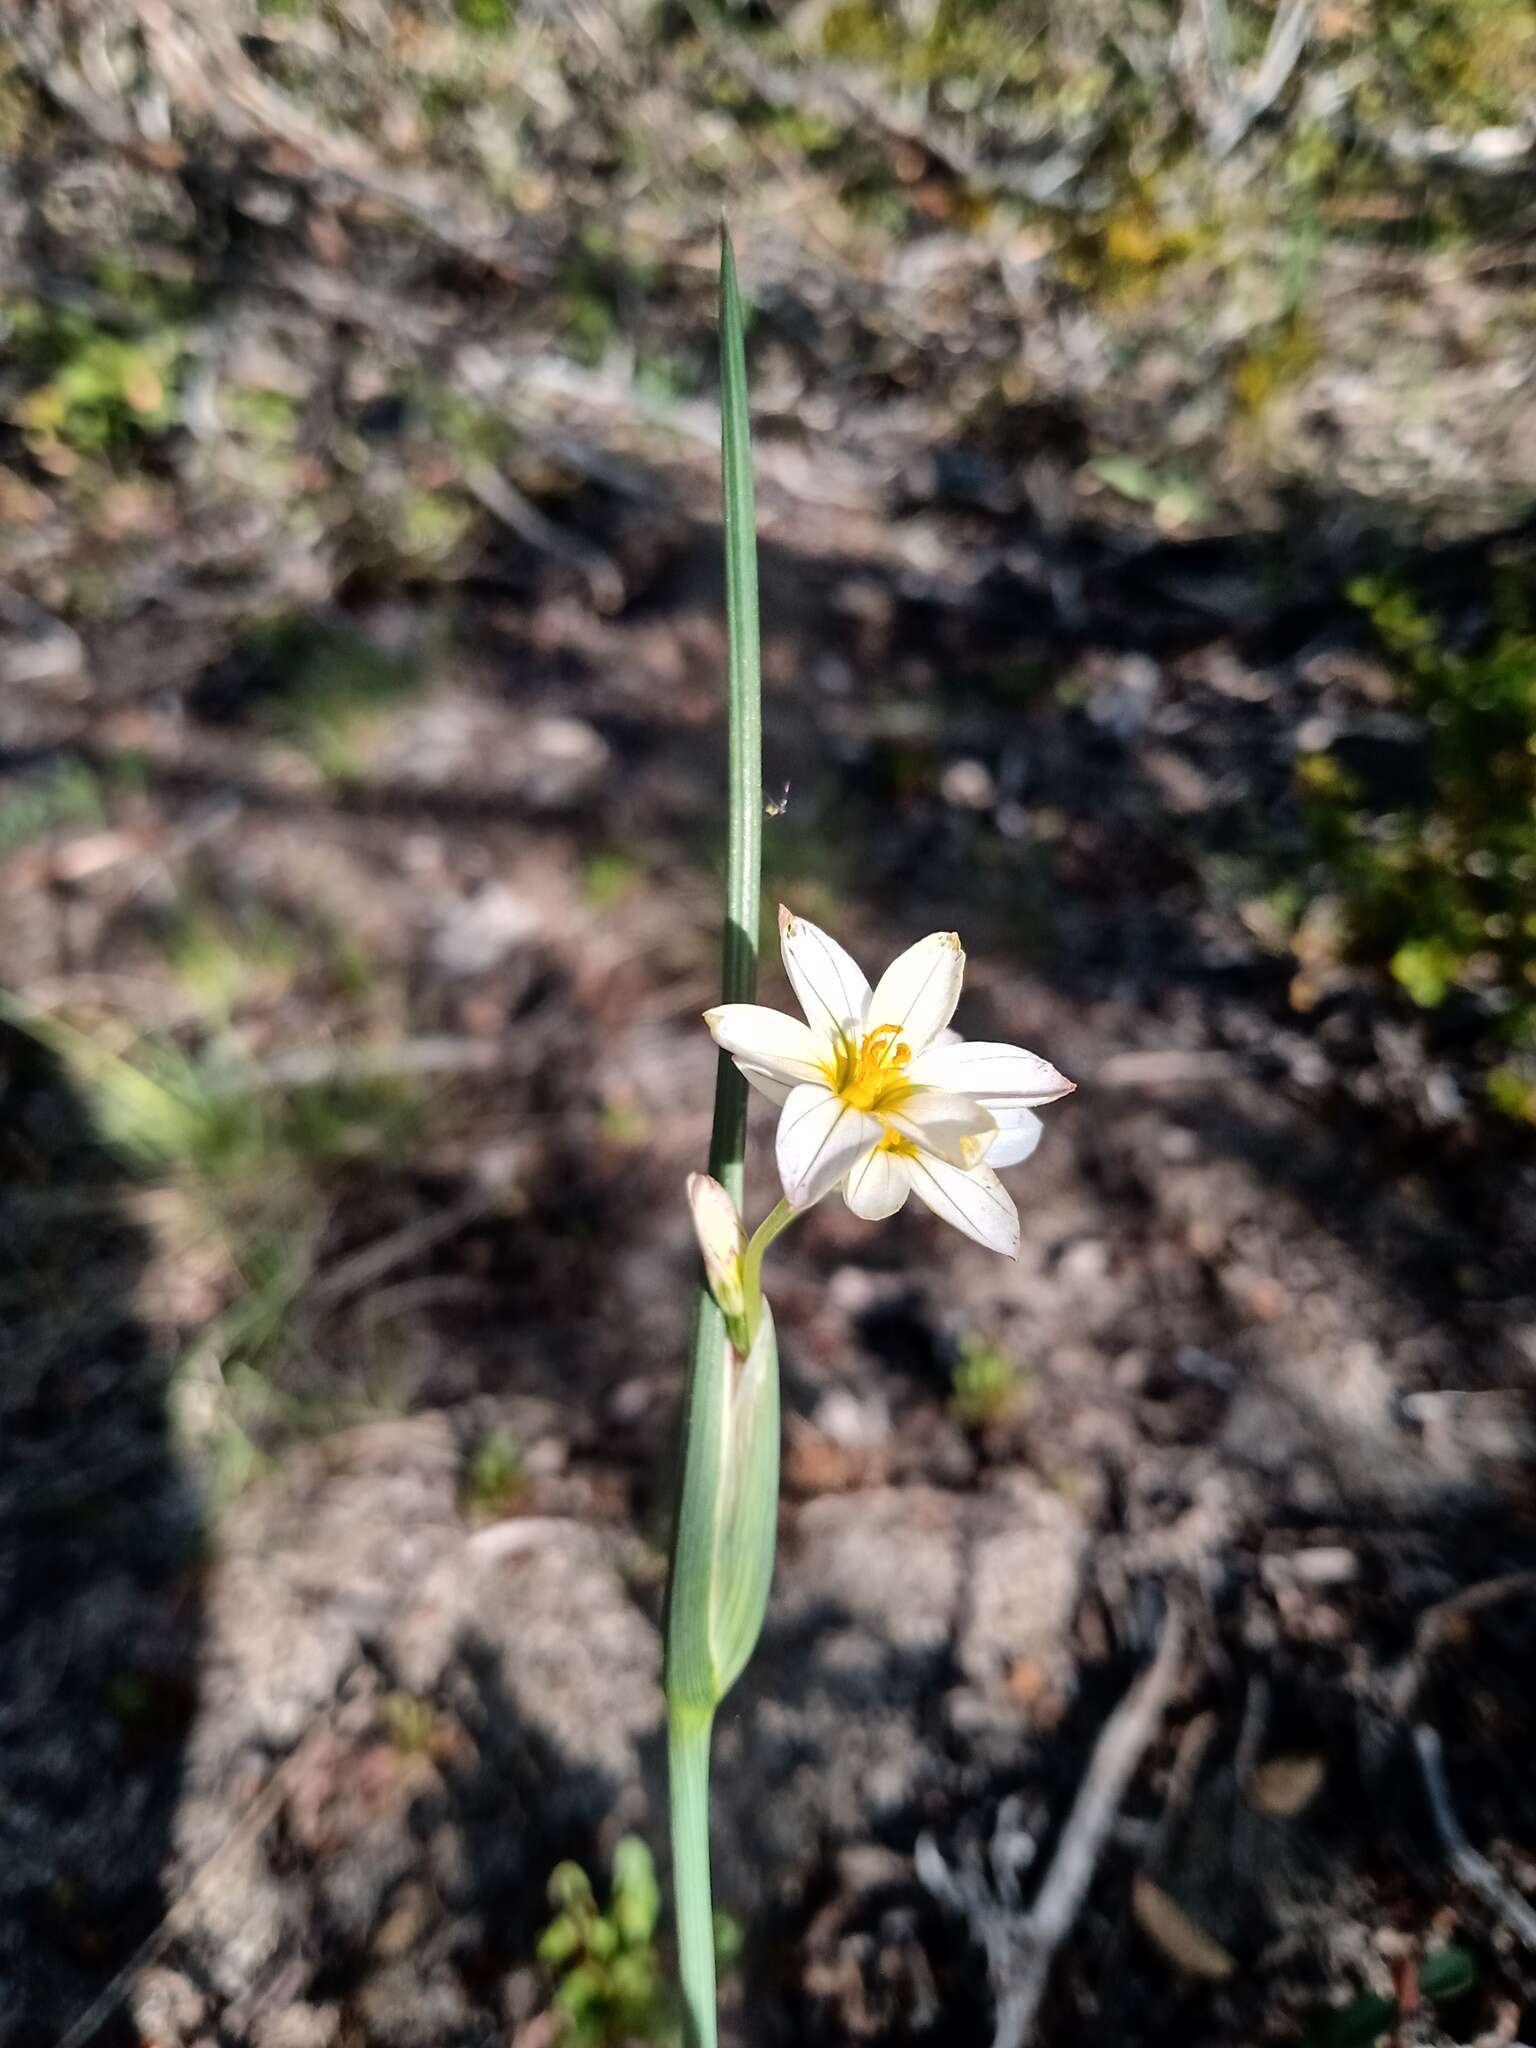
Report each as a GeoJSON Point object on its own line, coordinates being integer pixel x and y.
{"type": "Point", "coordinates": [723, 1243]}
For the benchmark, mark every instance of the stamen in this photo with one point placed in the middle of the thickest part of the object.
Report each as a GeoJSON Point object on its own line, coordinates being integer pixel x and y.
{"type": "Point", "coordinates": [872, 1068]}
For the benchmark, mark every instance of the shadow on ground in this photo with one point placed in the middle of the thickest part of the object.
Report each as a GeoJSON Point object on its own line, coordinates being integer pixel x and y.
{"type": "Point", "coordinates": [100, 1559]}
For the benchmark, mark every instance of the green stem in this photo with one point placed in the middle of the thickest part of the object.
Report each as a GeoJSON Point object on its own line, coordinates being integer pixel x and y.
{"type": "Point", "coordinates": [773, 1225]}
{"type": "Point", "coordinates": [688, 1734]}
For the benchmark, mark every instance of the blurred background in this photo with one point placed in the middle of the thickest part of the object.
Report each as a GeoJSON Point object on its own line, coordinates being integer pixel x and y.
{"type": "Point", "coordinates": [1146, 425]}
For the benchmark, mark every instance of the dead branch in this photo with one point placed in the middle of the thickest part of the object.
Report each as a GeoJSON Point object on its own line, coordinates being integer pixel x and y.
{"type": "Point", "coordinates": [1435, 1626]}
{"type": "Point", "coordinates": [1021, 1949]}
{"type": "Point", "coordinates": [1170, 1068]}
{"type": "Point", "coordinates": [1469, 1864]}
{"type": "Point", "coordinates": [1225, 108]}
{"type": "Point", "coordinates": [504, 501]}
{"type": "Point", "coordinates": [318, 1066]}
{"type": "Point", "coordinates": [364, 1268]}
{"type": "Point", "coordinates": [257, 1816]}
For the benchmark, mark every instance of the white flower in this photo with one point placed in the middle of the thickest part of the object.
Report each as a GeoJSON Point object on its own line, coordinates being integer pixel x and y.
{"type": "Point", "coordinates": [874, 1098]}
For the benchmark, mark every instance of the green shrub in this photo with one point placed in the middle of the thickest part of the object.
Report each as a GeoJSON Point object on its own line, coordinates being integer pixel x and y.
{"type": "Point", "coordinates": [1440, 889]}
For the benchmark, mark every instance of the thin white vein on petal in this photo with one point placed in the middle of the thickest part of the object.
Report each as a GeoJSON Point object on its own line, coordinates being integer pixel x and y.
{"type": "Point", "coordinates": [829, 984]}
{"type": "Point", "coordinates": [955, 1127]}
{"type": "Point", "coordinates": [919, 990]}
{"type": "Point", "coordinates": [878, 1185]}
{"type": "Point", "coordinates": [819, 1139]}
{"type": "Point", "coordinates": [769, 1040]}
{"type": "Point", "coordinates": [992, 1073]}
{"type": "Point", "coordinates": [975, 1202]}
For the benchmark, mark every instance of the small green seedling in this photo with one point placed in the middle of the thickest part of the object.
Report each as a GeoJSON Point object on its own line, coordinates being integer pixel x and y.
{"type": "Point", "coordinates": [987, 1386]}
{"type": "Point", "coordinates": [495, 1481]}
{"type": "Point", "coordinates": [610, 1987]}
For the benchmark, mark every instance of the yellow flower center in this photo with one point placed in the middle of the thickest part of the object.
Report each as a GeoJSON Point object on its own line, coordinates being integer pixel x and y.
{"type": "Point", "coordinates": [893, 1141]}
{"type": "Point", "coordinates": [871, 1071]}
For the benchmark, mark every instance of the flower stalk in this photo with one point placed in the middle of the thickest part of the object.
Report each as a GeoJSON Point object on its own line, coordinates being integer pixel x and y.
{"type": "Point", "coordinates": [722, 1557]}
{"type": "Point", "coordinates": [879, 1097]}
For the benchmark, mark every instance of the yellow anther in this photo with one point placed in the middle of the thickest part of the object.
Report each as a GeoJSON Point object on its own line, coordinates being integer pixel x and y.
{"type": "Point", "coordinates": [873, 1067]}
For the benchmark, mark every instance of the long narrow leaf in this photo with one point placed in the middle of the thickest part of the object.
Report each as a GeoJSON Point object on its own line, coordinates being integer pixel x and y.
{"type": "Point", "coordinates": [743, 886]}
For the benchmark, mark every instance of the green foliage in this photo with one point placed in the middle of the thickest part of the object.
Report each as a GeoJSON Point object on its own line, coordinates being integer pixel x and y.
{"type": "Point", "coordinates": [411, 1723]}
{"type": "Point", "coordinates": [1468, 63]}
{"type": "Point", "coordinates": [226, 960]}
{"type": "Point", "coordinates": [1446, 1975]}
{"type": "Point", "coordinates": [495, 1482]}
{"type": "Point", "coordinates": [1440, 889]}
{"type": "Point", "coordinates": [327, 686]}
{"type": "Point", "coordinates": [1358, 2024]}
{"type": "Point", "coordinates": [986, 1386]}
{"type": "Point", "coordinates": [608, 878]}
{"type": "Point", "coordinates": [1176, 501]}
{"type": "Point", "coordinates": [485, 17]}
{"type": "Point", "coordinates": [610, 1984]}
{"type": "Point", "coordinates": [66, 793]}
{"type": "Point", "coordinates": [90, 388]}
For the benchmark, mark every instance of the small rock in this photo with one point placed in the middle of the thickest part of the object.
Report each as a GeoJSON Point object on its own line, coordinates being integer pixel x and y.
{"type": "Point", "coordinates": [1085, 1263]}
{"type": "Point", "coordinates": [565, 757]}
{"type": "Point", "coordinates": [167, 2007]}
{"type": "Point", "coordinates": [298, 2026]}
{"type": "Point", "coordinates": [968, 785]}
{"type": "Point", "coordinates": [1323, 1564]}
{"type": "Point", "coordinates": [478, 933]}
{"type": "Point", "coordinates": [35, 647]}
{"type": "Point", "coordinates": [398, 2010]}
{"type": "Point", "coordinates": [852, 1423]}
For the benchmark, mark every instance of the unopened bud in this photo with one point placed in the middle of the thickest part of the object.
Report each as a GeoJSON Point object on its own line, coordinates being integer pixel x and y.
{"type": "Point", "coordinates": [723, 1242]}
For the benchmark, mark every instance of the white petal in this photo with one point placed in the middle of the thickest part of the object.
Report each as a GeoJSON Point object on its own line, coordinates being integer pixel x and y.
{"type": "Point", "coordinates": [975, 1202]}
{"type": "Point", "coordinates": [952, 1126]}
{"type": "Point", "coordinates": [878, 1185]}
{"type": "Point", "coordinates": [820, 1138]}
{"type": "Point", "coordinates": [829, 984]}
{"type": "Point", "coordinates": [1019, 1131]}
{"type": "Point", "coordinates": [919, 990]}
{"type": "Point", "coordinates": [765, 1083]}
{"type": "Point", "coordinates": [771, 1042]}
{"type": "Point", "coordinates": [992, 1073]}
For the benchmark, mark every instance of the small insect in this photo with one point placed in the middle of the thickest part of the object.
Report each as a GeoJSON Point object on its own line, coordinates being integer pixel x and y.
{"type": "Point", "coordinates": [776, 806]}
